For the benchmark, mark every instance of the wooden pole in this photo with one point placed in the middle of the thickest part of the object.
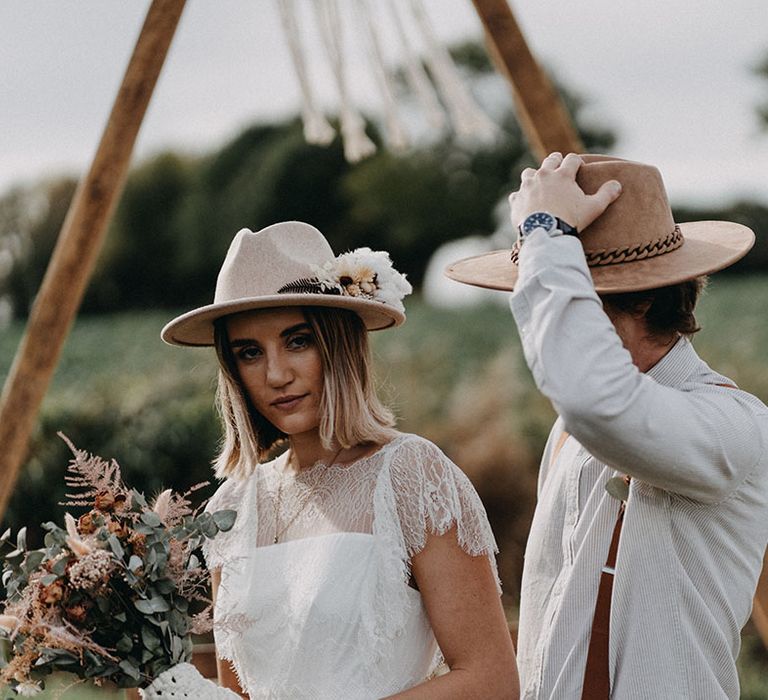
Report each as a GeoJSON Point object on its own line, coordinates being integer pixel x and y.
{"type": "Point", "coordinates": [542, 115]}
{"type": "Point", "coordinates": [78, 245]}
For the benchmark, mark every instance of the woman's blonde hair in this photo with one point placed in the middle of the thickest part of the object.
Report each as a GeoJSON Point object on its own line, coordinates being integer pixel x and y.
{"type": "Point", "coordinates": [350, 411]}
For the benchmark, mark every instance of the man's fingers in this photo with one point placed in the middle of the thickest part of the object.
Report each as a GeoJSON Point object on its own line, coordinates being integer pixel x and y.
{"type": "Point", "coordinates": [552, 161]}
{"type": "Point", "coordinates": [527, 174]}
{"type": "Point", "coordinates": [599, 202]}
{"type": "Point", "coordinates": [570, 165]}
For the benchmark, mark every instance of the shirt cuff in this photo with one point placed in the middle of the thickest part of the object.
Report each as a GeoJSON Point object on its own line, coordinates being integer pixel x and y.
{"type": "Point", "coordinates": [546, 262]}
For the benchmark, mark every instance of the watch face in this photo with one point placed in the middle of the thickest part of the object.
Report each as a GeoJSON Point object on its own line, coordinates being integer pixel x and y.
{"type": "Point", "coordinates": [539, 219]}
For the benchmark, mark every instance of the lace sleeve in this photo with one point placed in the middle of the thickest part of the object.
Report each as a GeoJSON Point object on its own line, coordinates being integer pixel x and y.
{"type": "Point", "coordinates": [433, 495]}
{"type": "Point", "coordinates": [227, 497]}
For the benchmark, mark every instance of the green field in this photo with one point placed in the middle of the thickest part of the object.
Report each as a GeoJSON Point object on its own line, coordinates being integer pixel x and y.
{"type": "Point", "coordinates": [457, 377]}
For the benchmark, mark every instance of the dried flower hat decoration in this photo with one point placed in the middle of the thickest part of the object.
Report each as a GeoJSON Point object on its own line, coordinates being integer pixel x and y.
{"type": "Point", "coordinates": [362, 273]}
{"type": "Point", "coordinates": [292, 264]}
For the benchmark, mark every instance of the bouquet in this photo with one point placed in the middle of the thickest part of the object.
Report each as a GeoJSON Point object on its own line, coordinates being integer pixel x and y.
{"type": "Point", "coordinates": [115, 595]}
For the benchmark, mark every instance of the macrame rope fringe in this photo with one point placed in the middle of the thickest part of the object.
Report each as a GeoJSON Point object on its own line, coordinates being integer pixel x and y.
{"type": "Point", "coordinates": [416, 76]}
{"type": "Point", "coordinates": [357, 145]}
{"type": "Point", "coordinates": [468, 119]}
{"type": "Point", "coordinates": [395, 133]}
{"type": "Point", "coordinates": [317, 129]}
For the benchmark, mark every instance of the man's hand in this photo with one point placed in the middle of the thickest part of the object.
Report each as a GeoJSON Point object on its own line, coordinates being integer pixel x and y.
{"type": "Point", "coordinates": [553, 188]}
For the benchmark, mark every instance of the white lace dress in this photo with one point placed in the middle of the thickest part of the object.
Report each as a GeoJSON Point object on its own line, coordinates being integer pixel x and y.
{"type": "Point", "coordinates": [327, 613]}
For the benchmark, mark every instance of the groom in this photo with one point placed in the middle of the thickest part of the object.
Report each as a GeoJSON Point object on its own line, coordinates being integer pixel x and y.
{"type": "Point", "coordinates": [652, 516]}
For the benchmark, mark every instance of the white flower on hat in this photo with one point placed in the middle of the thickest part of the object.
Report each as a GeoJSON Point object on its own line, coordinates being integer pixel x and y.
{"type": "Point", "coordinates": [366, 274]}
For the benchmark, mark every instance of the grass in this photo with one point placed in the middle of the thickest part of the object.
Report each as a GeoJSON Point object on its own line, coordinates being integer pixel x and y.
{"type": "Point", "coordinates": [455, 376]}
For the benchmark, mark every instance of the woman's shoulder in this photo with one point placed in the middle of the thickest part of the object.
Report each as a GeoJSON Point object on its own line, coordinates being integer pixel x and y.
{"type": "Point", "coordinates": [415, 446]}
{"type": "Point", "coordinates": [419, 465]}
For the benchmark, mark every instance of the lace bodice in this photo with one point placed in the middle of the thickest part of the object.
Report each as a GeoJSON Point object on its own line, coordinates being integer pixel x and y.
{"type": "Point", "coordinates": [327, 612]}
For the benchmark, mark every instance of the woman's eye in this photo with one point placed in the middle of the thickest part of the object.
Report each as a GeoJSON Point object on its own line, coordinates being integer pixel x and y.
{"type": "Point", "coordinates": [249, 353]}
{"type": "Point", "coordinates": [298, 342]}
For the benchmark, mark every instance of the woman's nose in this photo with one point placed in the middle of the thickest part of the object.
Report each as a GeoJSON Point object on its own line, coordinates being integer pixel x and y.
{"type": "Point", "coordinates": [279, 371]}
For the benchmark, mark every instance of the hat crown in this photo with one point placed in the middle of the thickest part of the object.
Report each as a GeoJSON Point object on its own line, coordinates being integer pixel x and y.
{"type": "Point", "coordinates": [639, 223]}
{"type": "Point", "coordinates": [634, 244]}
{"type": "Point", "coordinates": [282, 253]}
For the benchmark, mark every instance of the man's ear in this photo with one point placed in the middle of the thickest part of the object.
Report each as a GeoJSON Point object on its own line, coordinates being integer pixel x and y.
{"type": "Point", "coordinates": [640, 310]}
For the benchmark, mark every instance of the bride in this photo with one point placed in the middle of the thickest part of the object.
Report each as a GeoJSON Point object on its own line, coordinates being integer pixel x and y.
{"type": "Point", "coordinates": [361, 558]}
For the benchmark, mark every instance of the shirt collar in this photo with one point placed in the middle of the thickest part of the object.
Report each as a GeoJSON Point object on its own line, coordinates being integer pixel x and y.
{"type": "Point", "coordinates": [676, 366]}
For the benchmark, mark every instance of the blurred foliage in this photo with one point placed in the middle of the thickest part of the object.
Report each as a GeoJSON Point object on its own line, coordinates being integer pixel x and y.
{"type": "Point", "coordinates": [761, 70]}
{"type": "Point", "coordinates": [32, 217]}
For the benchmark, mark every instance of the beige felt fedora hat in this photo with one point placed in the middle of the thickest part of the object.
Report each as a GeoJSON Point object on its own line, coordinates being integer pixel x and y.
{"type": "Point", "coordinates": [635, 244]}
{"type": "Point", "coordinates": [292, 264]}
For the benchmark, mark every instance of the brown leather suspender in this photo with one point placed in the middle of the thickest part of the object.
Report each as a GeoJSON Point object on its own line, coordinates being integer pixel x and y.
{"type": "Point", "coordinates": [597, 676]}
{"type": "Point", "coordinates": [597, 679]}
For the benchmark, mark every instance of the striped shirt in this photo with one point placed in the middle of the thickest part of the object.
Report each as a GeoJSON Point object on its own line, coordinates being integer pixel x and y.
{"type": "Point", "coordinates": [696, 524]}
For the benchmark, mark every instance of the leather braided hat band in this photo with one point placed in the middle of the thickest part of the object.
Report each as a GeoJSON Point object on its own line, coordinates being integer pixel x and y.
{"type": "Point", "coordinates": [635, 244]}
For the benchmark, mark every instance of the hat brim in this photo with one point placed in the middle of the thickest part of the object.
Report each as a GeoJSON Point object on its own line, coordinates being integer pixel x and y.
{"type": "Point", "coordinates": [195, 328]}
{"type": "Point", "coordinates": [709, 246]}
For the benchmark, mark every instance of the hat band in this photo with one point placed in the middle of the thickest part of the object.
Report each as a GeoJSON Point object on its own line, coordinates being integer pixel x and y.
{"type": "Point", "coordinates": [308, 285]}
{"type": "Point", "coordinates": [640, 251]}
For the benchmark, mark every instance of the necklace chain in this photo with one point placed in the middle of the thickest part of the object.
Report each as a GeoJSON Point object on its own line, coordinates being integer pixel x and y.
{"type": "Point", "coordinates": [279, 532]}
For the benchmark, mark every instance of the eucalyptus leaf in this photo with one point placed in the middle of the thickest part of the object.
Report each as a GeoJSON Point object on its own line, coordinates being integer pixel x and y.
{"type": "Point", "coordinates": [151, 640]}
{"type": "Point", "coordinates": [138, 501]}
{"type": "Point", "coordinates": [159, 604]}
{"type": "Point", "coordinates": [115, 546]}
{"type": "Point", "coordinates": [33, 560]}
{"type": "Point", "coordinates": [130, 670]}
{"type": "Point", "coordinates": [124, 644]}
{"type": "Point", "coordinates": [225, 519]}
{"type": "Point", "coordinates": [143, 606]}
{"type": "Point", "coordinates": [60, 566]}
{"type": "Point", "coordinates": [165, 586]}
{"type": "Point", "coordinates": [151, 518]}
{"type": "Point", "coordinates": [177, 650]}
{"type": "Point", "coordinates": [135, 563]}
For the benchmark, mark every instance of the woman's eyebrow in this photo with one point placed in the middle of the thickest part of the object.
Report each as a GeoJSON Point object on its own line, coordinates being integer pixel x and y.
{"type": "Point", "coordinates": [298, 327]}
{"type": "Point", "coordinates": [241, 341]}
{"type": "Point", "coordinates": [283, 334]}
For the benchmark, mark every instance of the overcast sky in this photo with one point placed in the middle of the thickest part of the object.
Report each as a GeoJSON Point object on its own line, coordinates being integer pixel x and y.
{"type": "Point", "coordinates": [672, 77]}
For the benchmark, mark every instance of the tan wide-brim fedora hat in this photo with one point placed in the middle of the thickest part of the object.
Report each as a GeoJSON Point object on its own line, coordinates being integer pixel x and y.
{"type": "Point", "coordinates": [275, 267]}
{"type": "Point", "coordinates": [635, 244]}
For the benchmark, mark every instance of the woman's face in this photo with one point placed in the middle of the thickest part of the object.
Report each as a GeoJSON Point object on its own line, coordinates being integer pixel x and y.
{"type": "Point", "coordinates": [280, 366]}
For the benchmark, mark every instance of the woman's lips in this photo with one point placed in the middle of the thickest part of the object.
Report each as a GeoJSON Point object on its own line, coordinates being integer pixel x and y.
{"type": "Point", "coordinates": [288, 403]}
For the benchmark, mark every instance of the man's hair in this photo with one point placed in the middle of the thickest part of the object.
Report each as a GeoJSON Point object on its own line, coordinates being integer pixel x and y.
{"type": "Point", "coordinates": [350, 411]}
{"type": "Point", "coordinates": [670, 309]}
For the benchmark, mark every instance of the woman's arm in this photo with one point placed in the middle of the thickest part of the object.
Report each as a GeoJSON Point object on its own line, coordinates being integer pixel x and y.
{"type": "Point", "coordinates": [462, 601]}
{"type": "Point", "coordinates": [227, 676]}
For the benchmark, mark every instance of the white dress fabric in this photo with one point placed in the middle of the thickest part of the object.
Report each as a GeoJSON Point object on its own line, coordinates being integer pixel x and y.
{"type": "Point", "coordinates": [328, 612]}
